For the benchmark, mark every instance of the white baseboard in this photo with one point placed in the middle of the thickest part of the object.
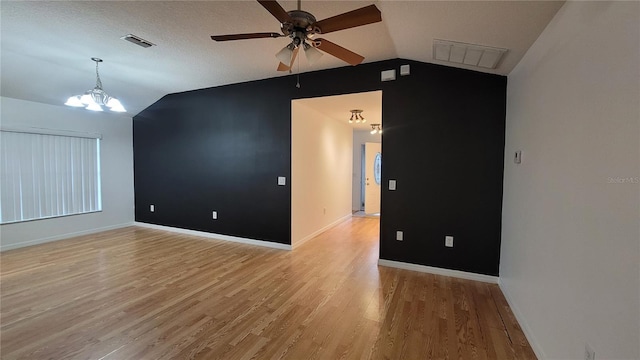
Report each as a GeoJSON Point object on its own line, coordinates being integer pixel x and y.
{"type": "Point", "coordinates": [537, 349]}
{"type": "Point", "coordinates": [320, 231]}
{"type": "Point", "coordinates": [63, 236]}
{"type": "Point", "coordinates": [439, 271]}
{"type": "Point", "coordinates": [216, 236]}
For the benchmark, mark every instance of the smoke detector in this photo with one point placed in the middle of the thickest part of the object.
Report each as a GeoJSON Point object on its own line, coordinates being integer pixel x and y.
{"type": "Point", "coordinates": [467, 54]}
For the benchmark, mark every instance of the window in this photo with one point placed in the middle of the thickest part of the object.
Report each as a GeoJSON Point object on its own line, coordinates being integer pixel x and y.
{"type": "Point", "coordinates": [45, 174]}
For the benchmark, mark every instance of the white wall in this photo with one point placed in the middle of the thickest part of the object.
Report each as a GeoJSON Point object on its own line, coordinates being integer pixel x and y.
{"type": "Point", "coordinates": [359, 138]}
{"type": "Point", "coordinates": [570, 234]}
{"type": "Point", "coordinates": [321, 161]}
{"type": "Point", "coordinates": [116, 153]}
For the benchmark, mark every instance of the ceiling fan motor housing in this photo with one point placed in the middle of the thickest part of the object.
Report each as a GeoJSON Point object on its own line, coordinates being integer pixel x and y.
{"type": "Point", "coordinates": [302, 25]}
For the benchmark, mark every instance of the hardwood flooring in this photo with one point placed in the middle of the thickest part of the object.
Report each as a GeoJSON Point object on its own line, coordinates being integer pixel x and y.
{"type": "Point", "coordinates": [137, 293]}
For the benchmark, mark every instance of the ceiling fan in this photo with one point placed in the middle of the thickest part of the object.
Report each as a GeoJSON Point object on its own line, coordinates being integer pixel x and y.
{"type": "Point", "coordinates": [301, 27]}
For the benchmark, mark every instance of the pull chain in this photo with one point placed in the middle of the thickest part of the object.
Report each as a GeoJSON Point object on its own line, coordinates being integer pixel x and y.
{"type": "Point", "coordinates": [298, 75]}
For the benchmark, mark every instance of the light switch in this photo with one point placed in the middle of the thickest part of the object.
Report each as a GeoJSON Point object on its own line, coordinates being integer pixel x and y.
{"type": "Point", "coordinates": [517, 158]}
{"type": "Point", "coordinates": [392, 184]}
{"type": "Point", "coordinates": [214, 215]}
{"type": "Point", "coordinates": [152, 208]}
{"type": "Point", "coordinates": [399, 236]}
{"type": "Point", "coordinates": [282, 180]}
{"type": "Point", "coordinates": [405, 70]}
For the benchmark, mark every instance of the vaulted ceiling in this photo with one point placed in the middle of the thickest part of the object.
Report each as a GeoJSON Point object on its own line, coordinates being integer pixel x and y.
{"type": "Point", "coordinates": [47, 45]}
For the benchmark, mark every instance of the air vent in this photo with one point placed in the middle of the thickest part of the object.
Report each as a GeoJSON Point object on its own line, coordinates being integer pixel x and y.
{"type": "Point", "coordinates": [137, 40]}
{"type": "Point", "coordinates": [468, 54]}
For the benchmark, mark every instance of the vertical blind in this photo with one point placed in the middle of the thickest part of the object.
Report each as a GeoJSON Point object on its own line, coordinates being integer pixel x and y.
{"type": "Point", "coordinates": [46, 176]}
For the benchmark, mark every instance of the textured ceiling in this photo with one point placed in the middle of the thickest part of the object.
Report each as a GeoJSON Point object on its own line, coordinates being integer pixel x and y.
{"type": "Point", "coordinates": [46, 46]}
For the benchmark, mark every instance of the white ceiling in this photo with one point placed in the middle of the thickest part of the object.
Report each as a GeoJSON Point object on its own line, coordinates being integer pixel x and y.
{"type": "Point", "coordinates": [338, 107]}
{"type": "Point", "coordinates": [46, 46]}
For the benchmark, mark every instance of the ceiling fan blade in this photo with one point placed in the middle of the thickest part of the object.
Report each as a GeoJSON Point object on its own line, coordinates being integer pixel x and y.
{"type": "Point", "coordinates": [283, 67]}
{"type": "Point", "coordinates": [338, 51]}
{"type": "Point", "coordinates": [245, 36]}
{"type": "Point", "coordinates": [363, 16]}
{"type": "Point", "coordinates": [276, 10]}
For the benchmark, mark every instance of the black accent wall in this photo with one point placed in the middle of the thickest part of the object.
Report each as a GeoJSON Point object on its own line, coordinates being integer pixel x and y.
{"type": "Point", "coordinates": [223, 148]}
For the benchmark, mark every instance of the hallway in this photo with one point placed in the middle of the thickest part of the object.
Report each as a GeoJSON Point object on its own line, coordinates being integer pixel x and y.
{"type": "Point", "coordinates": [137, 293]}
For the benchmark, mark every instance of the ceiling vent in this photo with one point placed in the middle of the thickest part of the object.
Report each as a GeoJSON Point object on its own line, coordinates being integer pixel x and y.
{"type": "Point", "coordinates": [137, 40]}
{"type": "Point", "coordinates": [468, 54]}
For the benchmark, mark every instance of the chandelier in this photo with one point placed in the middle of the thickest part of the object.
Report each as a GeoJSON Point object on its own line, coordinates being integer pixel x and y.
{"type": "Point", "coordinates": [96, 98]}
{"type": "Point", "coordinates": [376, 129]}
{"type": "Point", "coordinates": [356, 115]}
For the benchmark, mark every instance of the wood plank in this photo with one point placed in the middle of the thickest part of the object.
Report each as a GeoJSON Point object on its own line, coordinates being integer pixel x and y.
{"type": "Point", "coordinates": [143, 293]}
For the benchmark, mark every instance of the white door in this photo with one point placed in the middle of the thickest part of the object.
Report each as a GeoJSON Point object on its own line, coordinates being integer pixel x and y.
{"type": "Point", "coordinates": [373, 159]}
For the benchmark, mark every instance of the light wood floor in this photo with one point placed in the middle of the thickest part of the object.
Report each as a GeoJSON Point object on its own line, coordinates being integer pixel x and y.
{"type": "Point", "coordinates": [137, 293]}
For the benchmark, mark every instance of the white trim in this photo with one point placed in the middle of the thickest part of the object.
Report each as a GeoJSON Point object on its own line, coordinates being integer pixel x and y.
{"type": "Point", "coordinates": [62, 237]}
{"type": "Point", "coordinates": [320, 231]}
{"type": "Point", "coordinates": [45, 131]}
{"type": "Point", "coordinates": [209, 235]}
{"type": "Point", "coordinates": [528, 333]}
{"type": "Point", "coordinates": [439, 271]}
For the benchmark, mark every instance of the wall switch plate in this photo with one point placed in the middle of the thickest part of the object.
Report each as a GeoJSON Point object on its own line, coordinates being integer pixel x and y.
{"type": "Point", "coordinates": [282, 181]}
{"type": "Point", "coordinates": [405, 70]}
{"type": "Point", "coordinates": [517, 158]}
{"type": "Point", "coordinates": [214, 215]}
{"type": "Point", "coordinates": [448, 241]}
{"type": "Point", "coordinates": [388, 75]}
{"type": "Point", "coordinates": [392, 184]}
{"type": "Point", "coordinates": [152, 208]}
{"type": "Point", "coordinates": [589, 353]}
{"type": "Point", "coordinates": [399, 236]}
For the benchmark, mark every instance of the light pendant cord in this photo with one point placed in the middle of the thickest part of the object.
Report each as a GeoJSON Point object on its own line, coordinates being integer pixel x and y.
{"type": "Point", "coordinates": [98, 81]}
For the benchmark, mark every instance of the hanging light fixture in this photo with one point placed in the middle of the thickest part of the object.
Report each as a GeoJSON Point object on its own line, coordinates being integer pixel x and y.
{"type": "Point", "coordinates": [96, 98]}
{"type": "Point", "coordinates": [357, 116]}
{"type": "Point", "coordinates": [376, 129]}
{"type": "Point", "coordinates": [312, 53]}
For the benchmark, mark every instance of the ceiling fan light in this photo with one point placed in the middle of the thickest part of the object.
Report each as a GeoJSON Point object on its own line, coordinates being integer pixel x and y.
{"type": "Point", "coordinates": [74, 101]}
{"type": "Point", "coordinates": [312, 54]}
{"type": "Point", "coordinates": [284, 55]}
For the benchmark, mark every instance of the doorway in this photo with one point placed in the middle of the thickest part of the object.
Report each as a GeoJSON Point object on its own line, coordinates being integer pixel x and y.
{"type": "Point", "coordinates": [325, 160]}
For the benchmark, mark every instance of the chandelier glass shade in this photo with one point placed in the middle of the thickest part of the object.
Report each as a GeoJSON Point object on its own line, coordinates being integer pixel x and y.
{"type": "Point", "coordinates": [96, 99]}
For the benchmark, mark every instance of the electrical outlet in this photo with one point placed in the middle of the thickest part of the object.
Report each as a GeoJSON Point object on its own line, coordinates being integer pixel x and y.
{"type": "Point", "coordinates": [589, 353]}
{"type": "Point", "coordinates": [399, 236]}
{"type": "Point", "coordinates": [214, 215]}
{"type": "Point", "coordinates": [448, 241]}
{"type": "Point", "coordinates": [152, 208]}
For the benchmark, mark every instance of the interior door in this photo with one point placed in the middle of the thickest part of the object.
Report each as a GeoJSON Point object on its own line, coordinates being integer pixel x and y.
{"type": "Point", "coordinates": [373, 160]}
